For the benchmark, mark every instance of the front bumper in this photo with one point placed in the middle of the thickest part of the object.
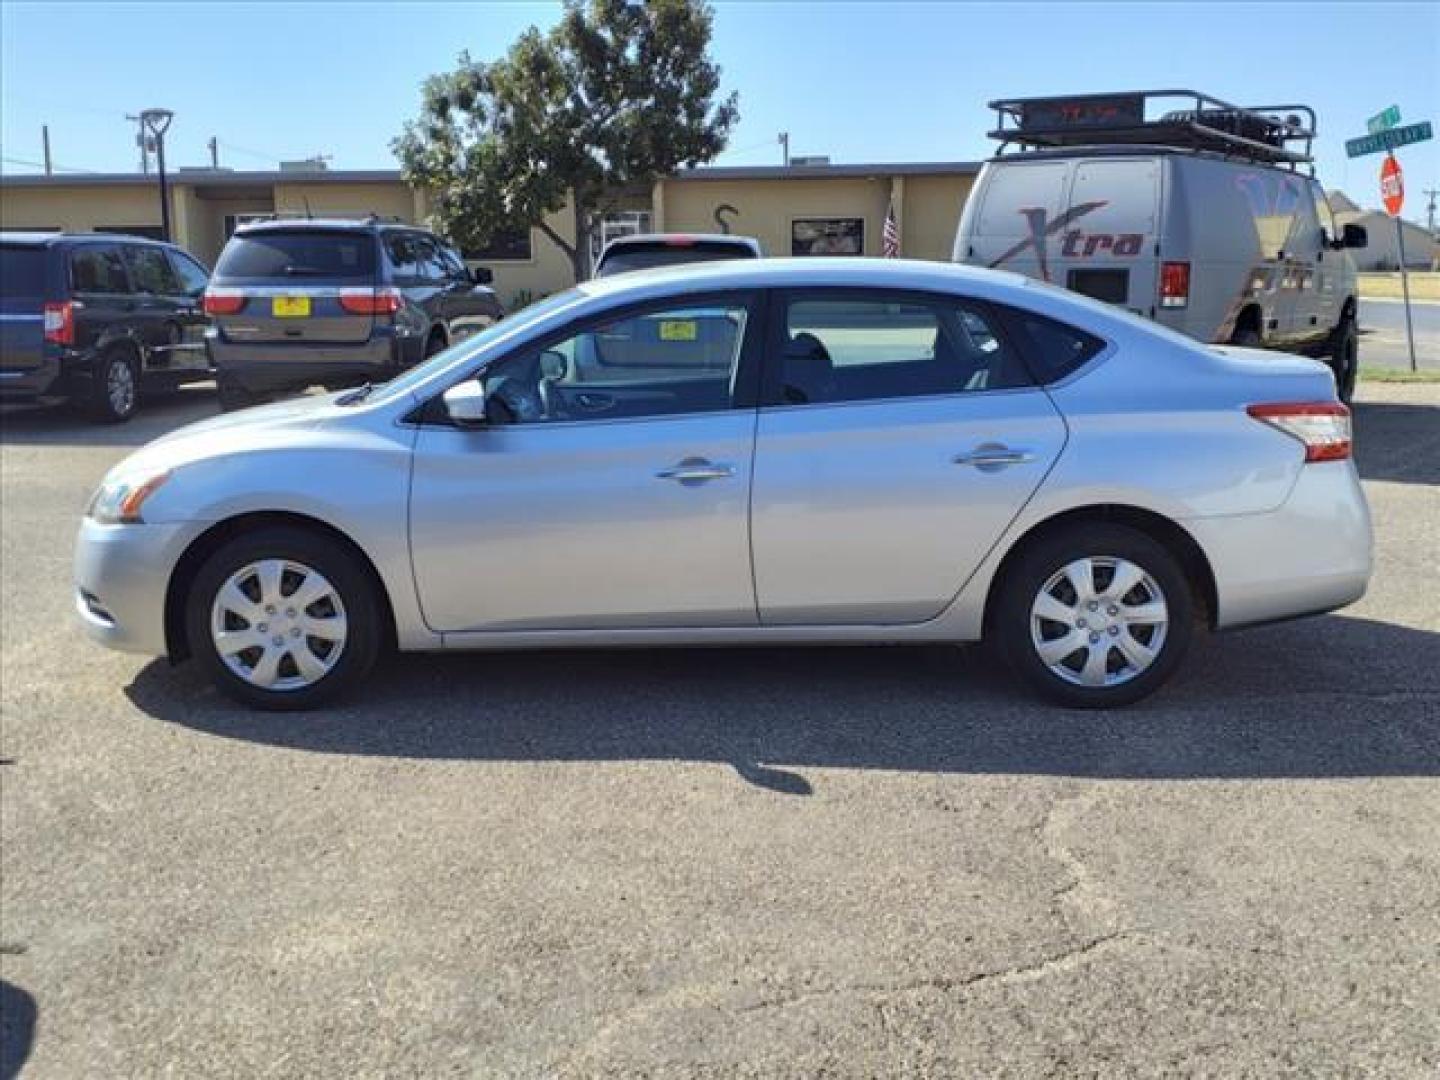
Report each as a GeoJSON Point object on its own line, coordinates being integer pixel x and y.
{"type": "Point", "coordinates": [121, 575]}
{"type": "Point", "coordinates": [1312, 554]}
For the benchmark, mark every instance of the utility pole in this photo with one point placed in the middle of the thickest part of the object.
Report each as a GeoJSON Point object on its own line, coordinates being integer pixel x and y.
{"type": "Point", "coordinates": [140, 142]}
{"type": "Point", "coordinates": [49, 169]}
{"type": "Point", "coordinates": [784, 140]}
{"type": "Point", "coordinates": [1430, 210]}
{"type": "Point", "coordinates": [214, 145]}
{"type": "Point", "coordinates": [157, 122]}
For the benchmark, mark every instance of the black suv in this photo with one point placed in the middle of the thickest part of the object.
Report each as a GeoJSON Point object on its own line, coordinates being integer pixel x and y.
{"type": "Point", "coordinates": [98, 319]}
{"type": "Point", "coordinates": [335, 302]}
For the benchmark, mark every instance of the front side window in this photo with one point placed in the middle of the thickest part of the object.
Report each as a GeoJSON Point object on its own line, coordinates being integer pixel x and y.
{"type": "Point", "coordinates": [666, 361]}
{"type": "Point", "coordinates": [865, 346]}
{"type": "Point", "coordinates": [98, 270]}
{"type": "Point", "coordinates": [151, 271]}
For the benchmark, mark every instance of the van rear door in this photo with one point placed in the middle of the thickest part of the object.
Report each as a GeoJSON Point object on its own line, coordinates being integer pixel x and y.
{"type": "Point", "coordinates": [1007, 223]}
{"type": "Point", "coordinates": [1108, 247]}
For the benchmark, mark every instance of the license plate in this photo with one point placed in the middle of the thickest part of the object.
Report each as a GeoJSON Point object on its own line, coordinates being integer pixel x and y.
{"type": "Point", "coordinates": [677, 330]}
{"type": "Point", "coordinates": [290, 307]}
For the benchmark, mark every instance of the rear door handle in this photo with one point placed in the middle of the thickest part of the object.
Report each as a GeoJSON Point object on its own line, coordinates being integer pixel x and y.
{"type": "Point", "coordinates": [696, 471]}
{"type": "Point", "coordinates": [989, 457]}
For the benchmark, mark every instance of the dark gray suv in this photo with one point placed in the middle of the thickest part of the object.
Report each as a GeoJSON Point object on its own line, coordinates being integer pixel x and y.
{"type": "Point", "coordinates": [335, 302]}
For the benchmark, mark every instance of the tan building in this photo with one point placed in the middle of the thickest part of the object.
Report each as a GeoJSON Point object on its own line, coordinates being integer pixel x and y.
{"type": "Point", "coordinates": [796, 209]}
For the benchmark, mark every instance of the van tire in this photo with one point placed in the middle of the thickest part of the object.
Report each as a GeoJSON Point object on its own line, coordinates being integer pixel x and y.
{"type": "Point", "coordinates": [1345, 357]}
{"type": "Point", "coordinates": [1248, 337]}
{"type": "Point", "coordinates": [107, 401]}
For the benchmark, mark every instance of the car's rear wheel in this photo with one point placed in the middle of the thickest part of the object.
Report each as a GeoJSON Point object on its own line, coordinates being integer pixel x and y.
{"type": "Point", "coordinates": [283, 619]}
{"type": "Point", "coordinates": [114, 388]}
{"type": "Point", "coordinates": [1096, 616]}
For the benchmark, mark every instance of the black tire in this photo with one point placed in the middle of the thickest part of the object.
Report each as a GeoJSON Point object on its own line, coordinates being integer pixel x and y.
{"type": "Point", "coordinates": [340, 567]}
{"type": "Point", "coordinates": [108, 402]}
{"type": "Point", "coordinates": [233, 396]}
{"type": "Point", "coordinates": [434, 344]}
{"type": "Point", "coordinates": [1345, 357]}
{"type": "Point", "coordinates": [1249, 337]}
{"type": "Point", "coordinates": [1034, 568]}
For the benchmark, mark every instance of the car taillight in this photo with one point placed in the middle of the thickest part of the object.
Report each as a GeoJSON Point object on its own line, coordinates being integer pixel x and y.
{"type": "Point", "coordinates": [1322, 427]}
{"type": "Point", "coordinates": [1174, 284]}
{"type": "Point", "coordinates": [370, 301]}
{"type": "Point", "coordinates": [223, 301]}
{"type": "Point", "coordinates": [60, 323]}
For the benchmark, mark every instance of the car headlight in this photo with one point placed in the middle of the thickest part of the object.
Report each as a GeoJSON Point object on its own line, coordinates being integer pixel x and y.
{"type": "Point", "coordinates": [119, 501]}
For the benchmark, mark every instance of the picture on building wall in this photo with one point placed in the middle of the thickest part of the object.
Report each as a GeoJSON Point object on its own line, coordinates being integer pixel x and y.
{"type": "Point", "coordinates": [827, 236]}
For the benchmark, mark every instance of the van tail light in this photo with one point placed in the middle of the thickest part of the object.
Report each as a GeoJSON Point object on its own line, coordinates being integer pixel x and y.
{"type": "Point", "coordinates": [1174, 284]}
{"type": "Point", "coordinates": [60, 323]}
{"type": "Point", "coordinates": [1322, 427]}
{"type": "Point", "coordinates": [385, 301]}
{"type": "Point", "coordinates": [223, 301]}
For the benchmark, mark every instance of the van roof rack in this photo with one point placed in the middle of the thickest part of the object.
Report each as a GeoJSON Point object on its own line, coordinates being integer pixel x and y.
{"type": "Point", "coordinates": [1178, 119]}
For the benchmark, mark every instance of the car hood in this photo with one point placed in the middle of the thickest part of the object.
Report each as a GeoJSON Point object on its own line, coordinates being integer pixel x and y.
{"type": "Point", "coordinates": [284, 424]}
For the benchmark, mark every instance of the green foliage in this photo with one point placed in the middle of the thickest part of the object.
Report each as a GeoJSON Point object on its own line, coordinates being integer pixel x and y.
{"type": "Point", "coordinates": [616, 95]}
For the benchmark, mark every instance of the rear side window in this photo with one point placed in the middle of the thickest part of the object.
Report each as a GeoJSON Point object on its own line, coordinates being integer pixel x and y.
{"type": "Point", "coordinates": [874, 346]}
{"type": "Point", "coordinates": [151, 271]}
{"type": "Point", "coordinates": [1052, 349]}
{"type": "Point", "coordinates": [273, 255]}
{"type": "Point", "coordinates": [192, 275]}
{"type": "Point", "coordinates": [97, 270]}
{"type": "Point", "coordinates": [22, 272]}
{"type": "Point", "coordinates": [644, 256]}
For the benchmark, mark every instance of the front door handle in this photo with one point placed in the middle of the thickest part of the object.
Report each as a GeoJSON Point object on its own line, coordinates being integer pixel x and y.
{"type": "Point", "coordinates": [696, 471]}
{"type": "Point", "coordinates": [990, 457]}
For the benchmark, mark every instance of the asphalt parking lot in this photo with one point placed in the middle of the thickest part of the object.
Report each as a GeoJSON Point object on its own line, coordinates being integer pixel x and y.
{"type": "Point", "coordinates": [785, 862]}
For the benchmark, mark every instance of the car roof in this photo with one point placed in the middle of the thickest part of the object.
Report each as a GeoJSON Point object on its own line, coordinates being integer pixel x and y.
{"type": "Point", "coordinates": [689, 238]}
{"type": "Point", "coordinates": [44, 239]}
{"type": "Point", "coordinates": [290, 224]}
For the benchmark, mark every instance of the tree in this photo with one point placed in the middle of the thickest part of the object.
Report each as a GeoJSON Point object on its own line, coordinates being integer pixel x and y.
{"type": "Point", "coordinates": [615, 96]}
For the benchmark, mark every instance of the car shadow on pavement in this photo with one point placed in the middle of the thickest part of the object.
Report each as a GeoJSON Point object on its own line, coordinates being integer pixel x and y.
{"type": "Point", "coordinates": [61, 425]}
{"type": "Point", "coordinates": [1327, 697]}
{"type": "Point", "coordinates": [17, 1029]}
{"type": "Point", "coordinates": [1397, 441]}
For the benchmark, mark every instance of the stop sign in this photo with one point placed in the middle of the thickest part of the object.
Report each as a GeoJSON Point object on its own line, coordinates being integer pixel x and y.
{"type": "Point", "coordinates": [1392, 185]}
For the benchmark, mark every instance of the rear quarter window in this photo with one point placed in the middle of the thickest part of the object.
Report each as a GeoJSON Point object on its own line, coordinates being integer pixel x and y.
{"type": "Point", "coordinates": [294, 256]}
{"type": "Point", "coordinates": [1052, 350]}
{"type": "Point", "coordinates": [22, 272]}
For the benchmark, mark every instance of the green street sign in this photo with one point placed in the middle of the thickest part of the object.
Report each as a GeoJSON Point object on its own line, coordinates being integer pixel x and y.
{"type": "Point", "coordinates": [1383, 121]}
{"type": "Point", "coordinates": [1382, 141]}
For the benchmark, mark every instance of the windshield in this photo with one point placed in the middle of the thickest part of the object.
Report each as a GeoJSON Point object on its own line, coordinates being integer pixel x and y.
{"type": "Point", "coordinates": [268, 255]}
{"type": "Point", "coordinates": [511, 324]}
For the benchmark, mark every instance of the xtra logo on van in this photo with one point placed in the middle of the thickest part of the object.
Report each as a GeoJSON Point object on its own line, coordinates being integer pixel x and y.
{"type": "Point", "coordinates": [1076, 243]}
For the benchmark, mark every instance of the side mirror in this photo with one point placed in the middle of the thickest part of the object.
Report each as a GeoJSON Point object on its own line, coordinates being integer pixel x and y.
{"type": "Point", "coordinates": [553, 364]}
{"type": "Point", "coordinates": [1355, 236]}
{"type": "Point", "coordinates": [482, 275]}
{"type": "Point", "coordinates": [465, 403]}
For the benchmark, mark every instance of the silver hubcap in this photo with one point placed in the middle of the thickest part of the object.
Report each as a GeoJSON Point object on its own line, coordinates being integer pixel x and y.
{"type": "Point", "coordinates": [120, 387]}
{"type": "Point", "coordinates": [278, 624]}
{"type": "Point", "coordinates": [1099, 621]}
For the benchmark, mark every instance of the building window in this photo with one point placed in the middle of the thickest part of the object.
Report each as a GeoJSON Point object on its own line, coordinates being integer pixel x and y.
{"type": "Point", "coordinates": [149, 232]}
{"type": "Point", "coordinates": [235, 221]}
{"type": "Point", "coordinates": [827, 236]}
{"type": "Point", "coordinates": [615, 225]}
{"type": "Point", "coordinates": [506, 245]}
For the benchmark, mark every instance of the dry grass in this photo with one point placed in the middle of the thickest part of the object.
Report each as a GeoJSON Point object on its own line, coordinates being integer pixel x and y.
{"type": "Point", "coordinates": [1424, 285]}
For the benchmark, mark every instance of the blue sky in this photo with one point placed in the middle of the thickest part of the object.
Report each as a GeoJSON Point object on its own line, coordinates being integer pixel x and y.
{"type": "Point", "coordinates": [858, 81]}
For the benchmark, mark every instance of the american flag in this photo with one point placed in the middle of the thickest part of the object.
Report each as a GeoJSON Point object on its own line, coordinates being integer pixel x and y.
{"type": "Point", "coordinates": [890, 236]}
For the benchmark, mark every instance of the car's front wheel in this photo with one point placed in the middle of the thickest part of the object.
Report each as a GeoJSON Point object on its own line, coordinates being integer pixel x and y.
{"type": "Point", "coordinates": [1096, 616]}
{"type": "Point", "coordinates": [283, 618]}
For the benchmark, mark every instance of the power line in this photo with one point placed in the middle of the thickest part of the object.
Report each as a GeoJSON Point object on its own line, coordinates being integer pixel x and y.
{"type": "Point", "coordinates": [41, 165]}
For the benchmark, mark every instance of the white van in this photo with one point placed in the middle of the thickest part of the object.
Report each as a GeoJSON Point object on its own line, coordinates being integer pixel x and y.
{"type": "Point", "coordinates": [1206, 218]}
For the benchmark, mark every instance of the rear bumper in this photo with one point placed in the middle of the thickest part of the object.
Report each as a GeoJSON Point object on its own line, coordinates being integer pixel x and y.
{"type": "Point", "coordinates": [262, 367]}
{"type": "Point", "coordinates": [1312, 554]}
{"type": "Point", "coordinates": [121, 575]}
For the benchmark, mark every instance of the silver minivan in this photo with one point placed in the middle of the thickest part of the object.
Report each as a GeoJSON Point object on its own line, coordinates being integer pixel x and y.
{"type": "Point", "coordinates": [1206, 218]}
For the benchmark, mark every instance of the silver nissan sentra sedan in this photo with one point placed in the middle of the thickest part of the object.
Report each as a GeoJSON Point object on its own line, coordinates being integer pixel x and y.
{"type": "Point", "coordinates": [821, 451]}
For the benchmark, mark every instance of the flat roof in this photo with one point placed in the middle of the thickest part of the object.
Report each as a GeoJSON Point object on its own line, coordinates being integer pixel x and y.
{"type": "Point", "coordinates": [233, 178]}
